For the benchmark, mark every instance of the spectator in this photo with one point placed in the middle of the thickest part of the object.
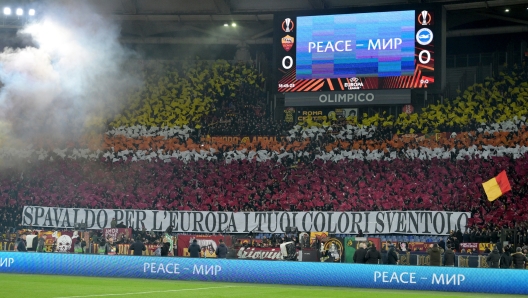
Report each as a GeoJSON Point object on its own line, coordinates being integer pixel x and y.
{"type": "Point", "coordinates": [194, 249]}
{"type": "Point", "coordinates": [392, 255]}
{"type": "Point", "coordinates": [110, 248]}
{"type": "Point", "coordinates": [360, 254]}
{"type": "Point", "coordinates": [138, 247]}
{"type": "Point", "coordinates": [505, 260]}
{"type": "Point", "coordinates": [221, 250]}
{"type": "Point", "coordinates": [41, 246]}
{"type": "Point", "coordinates": [373, 256]}
{"type": "Point", "coordinates": [449, 257]}
{"type": "Point", "coordinates": [493, 258]}
{"type": "Point", "coordinates": [21, 245]}
{"type": "Point", "coordinates": [442, 244]}
{"type": "Point", "coordinates": [518, 259]}
{"type": "Point", "coordinates": [435, 255]}
{"type": "Point", "coordinates": [165, 249]}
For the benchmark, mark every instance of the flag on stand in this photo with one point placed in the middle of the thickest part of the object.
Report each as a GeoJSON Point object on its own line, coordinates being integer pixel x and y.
{"type": "Point", "coordinates": [497, 186]}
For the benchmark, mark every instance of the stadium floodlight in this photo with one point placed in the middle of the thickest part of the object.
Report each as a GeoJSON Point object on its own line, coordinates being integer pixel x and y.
{"type": "Point", "coordinates": [7, 11]}
{"type": "Point", "coordinates": [19, 11]}
{"type": "Point", "coordinates": [233, 24]}
{"type": "Point", "coordinates": [507, 10]}
{"type": "Point", "coordinates": [226, 25]}
{"type": "Point", "coordinates": [31, 12]}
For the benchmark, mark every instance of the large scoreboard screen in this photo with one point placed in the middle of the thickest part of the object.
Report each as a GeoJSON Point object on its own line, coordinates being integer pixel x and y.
{"type": "Point", "coordinates": [356, 51]}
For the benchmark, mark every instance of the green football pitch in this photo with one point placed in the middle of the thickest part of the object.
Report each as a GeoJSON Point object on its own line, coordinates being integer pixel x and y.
{"type": "Point", "coordinates": [44, 286]}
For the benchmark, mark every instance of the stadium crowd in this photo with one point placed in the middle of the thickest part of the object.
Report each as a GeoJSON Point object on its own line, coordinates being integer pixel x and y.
{"type": "Point", "coordinates": [161, 153]}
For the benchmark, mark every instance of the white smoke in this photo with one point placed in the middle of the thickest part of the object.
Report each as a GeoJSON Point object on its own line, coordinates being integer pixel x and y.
{"type": "Point", "coordinates": [72, 75]}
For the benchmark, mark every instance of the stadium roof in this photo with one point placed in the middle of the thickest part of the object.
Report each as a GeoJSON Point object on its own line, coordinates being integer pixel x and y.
{"type": "Point", "coordinates": [202, 21]}
{"type": "Point", "coordinates": [210, 21]}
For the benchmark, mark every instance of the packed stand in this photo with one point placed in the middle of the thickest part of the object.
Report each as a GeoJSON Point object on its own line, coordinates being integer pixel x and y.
{"type": "Point", "coordinates": [154, 156]}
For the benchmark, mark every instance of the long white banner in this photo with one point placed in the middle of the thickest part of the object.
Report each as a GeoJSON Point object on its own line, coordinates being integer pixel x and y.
{"type": "Point", "coordinates": [370, 222]}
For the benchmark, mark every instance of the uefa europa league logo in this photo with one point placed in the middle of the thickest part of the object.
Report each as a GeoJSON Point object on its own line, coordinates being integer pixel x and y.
{"type": "Point", "coordinates": [424, 17]}
{"type": "Point", "coordinates": [287, 25]}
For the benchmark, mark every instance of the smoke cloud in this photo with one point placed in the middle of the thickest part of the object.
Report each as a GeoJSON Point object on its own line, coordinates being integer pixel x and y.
{"type": "Point", "coordinates": [70, 80]}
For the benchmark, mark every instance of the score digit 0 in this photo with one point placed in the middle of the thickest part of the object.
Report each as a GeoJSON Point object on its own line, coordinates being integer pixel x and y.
{"type": "Point", "coordinates": [423, 53]}
{"type": "Point", "coordinates": [290, 64]}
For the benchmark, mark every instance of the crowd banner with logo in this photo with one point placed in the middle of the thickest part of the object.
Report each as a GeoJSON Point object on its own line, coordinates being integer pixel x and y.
{"type": "Point", "coordinates": [415, 246]}
{"type": "Point", "coordinates": [236, 140]}
{"type": "Point", "coordinates": [203, 222]}
{"type": "Point", "coordinates": [7, 245]}
{"type": "Point", "coordinates": [247, 241]}
{"type": "Point", "coordinates": [289, 115]}
{"type": "Point", "coordinates": [469, 246]}
{"type": "Point", "coordinates": [424, 278]}
{"type": "Point", "coordinates": [117, 233]}
{"type": "Point", "coordinates": [259, 253]}
{"type": "Point", "coordinates": [348, 98]}
{"type": "Point", "coordinates": [316, 238]}
{"type": "Point", "coordinates": [351, 245]}
{"type": "Point", "coordinates": [482, 247]}
{"type": "Point", "coordinates": [323, 113]}
{"type": "Point", "coordinates": [207, 243]}
{"type": "Point", "coordinates": [334, 250]}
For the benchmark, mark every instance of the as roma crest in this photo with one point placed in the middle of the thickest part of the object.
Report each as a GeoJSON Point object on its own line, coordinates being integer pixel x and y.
{"type": "Point", "coordinates": [287, 42]}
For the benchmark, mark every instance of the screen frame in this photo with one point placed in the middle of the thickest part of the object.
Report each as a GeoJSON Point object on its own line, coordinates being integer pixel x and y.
{"type": "Point", "coordinates": [437, 29]}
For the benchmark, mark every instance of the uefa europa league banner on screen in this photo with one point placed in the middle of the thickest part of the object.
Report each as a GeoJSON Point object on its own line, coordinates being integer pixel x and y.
{"type": "Point", "coordinates": [371, 222]}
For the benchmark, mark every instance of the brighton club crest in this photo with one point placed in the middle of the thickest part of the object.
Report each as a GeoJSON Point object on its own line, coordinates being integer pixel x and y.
{"type": "Point", "coordinates": [287, 42]}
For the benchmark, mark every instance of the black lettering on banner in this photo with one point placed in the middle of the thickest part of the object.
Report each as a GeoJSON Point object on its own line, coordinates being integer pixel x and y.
{"type": "Point", "coordinates": [355, 223]}
{"type": "Point", "coordinates": [380, 222]}
{"type": "Point", "coordinates": [222, 219]}
{"type": "Point", "coordinates": [57, 216]}
{"type": "Point", "coordinates": [400, 228]}
{"type": "Point", "coordinates": [101, 226]}
{"type": "Point", "coordinates": [330, 223]}
{"type": "Point", "coordinates": [414, 221]}
{"type": "Point", "coordinates": [323, 221]}
{"type": "Point", "coordinates": [87, 213]}
{"type": "Point", "coordinates": [198, 217]}
{"type": "Point", "coordinates": [366, 229]}
{"type": "Point", "coordinates": [173, 219]}
{"type": "Point", "coordinates": [426, 221]}
{"type": "Point", "coordinates": [27, 215]}
{"type": "Point", "coordinates": [304, 222]}
{"type": "Point", "coordinates": [183, 221]}
{"type": "Point", "coordinates": [270, 230]}
{"type": "Point", "coordinates": [47, 218]}
{"type": "Point", "coordinates": [294, 221]}
{"type": "Point", "coordinates": [129, 215]}
{"type": "Point", "coordinates": [38, 215]}
{"type": "Point", "coordinates": [259, 215]}
{"type": "Point", "coordinates": [282, 227]}
{"type": "Point", "coordinates": [118, 215]}
{"type": "Point", "coordinates": [449, 221]}
{"type": "Point", "coordinates": [435, 222]}
{"type": "Point", "coordinates": [140, 218]}
{"type": "Point", "coordinates": [75, 211]}
{"type": "Point", "coordinates": [246, 222]}
{"type": "Point", "coordinates": [340, 222]}
{"type": "Point", "coordinates": [232, 224]}
{"type": "Point", "coordinates": [390, 220]}
{"type": "Point", "coordinates": [417, 222]}
{"type": "Point", "coordinates": [155, 213]}
{"type": "Point", "coordinates": [459, 223]}
{"type": "Point", "coordinates": [210, 229]}
{"type": "Point", "coordinates": [66, 219]}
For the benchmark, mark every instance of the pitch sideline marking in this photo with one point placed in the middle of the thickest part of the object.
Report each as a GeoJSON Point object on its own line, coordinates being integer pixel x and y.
{"type": "Point", "coordinates": [150, 292]}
